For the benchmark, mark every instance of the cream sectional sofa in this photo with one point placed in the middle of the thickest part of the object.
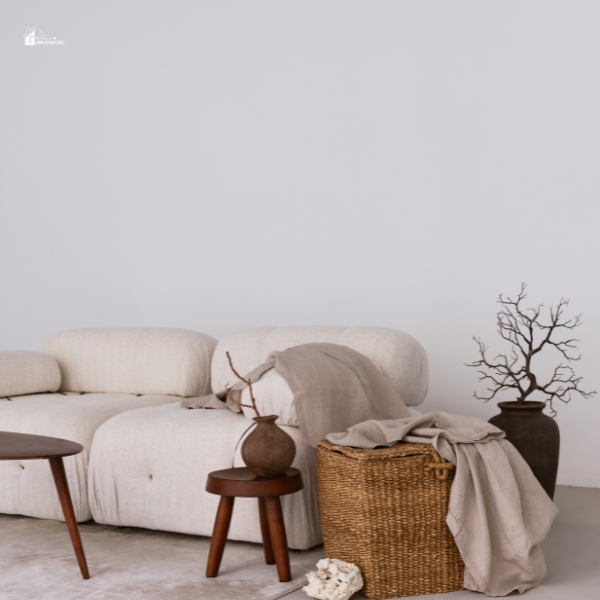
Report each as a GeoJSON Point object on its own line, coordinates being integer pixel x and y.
{"type": "Point", "coordinates": [146, 456]}
{"type": "Point", "coordinates": [101, 372]}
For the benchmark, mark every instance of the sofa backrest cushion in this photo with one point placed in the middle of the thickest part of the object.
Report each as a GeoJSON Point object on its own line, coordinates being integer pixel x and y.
{"type": "Point", "coordinates": [24, 372]}
{"type": "Point", "coordinates": [399, 356]}
{"type": "Point", "coordinates": [133, 360]}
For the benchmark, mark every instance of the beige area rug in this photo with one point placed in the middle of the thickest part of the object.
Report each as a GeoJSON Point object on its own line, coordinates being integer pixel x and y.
{"type": "Point", "coordinates": [37, 562]}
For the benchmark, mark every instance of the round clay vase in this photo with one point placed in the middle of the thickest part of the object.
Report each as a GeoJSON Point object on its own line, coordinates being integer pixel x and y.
{"type": "Point", "coordinates": [536, 437]}
{"type": "Point", "coordinates": [268, 451]}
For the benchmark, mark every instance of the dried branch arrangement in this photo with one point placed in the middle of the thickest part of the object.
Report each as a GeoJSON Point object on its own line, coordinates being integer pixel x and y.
{"type": "Point", "coordinates": [517, 325]}
{"type": "Point", "coordinates": [249, 384]}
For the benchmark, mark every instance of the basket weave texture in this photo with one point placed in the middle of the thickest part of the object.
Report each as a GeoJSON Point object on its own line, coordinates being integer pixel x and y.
{"type": "Point", "coordinates": [385, 511]}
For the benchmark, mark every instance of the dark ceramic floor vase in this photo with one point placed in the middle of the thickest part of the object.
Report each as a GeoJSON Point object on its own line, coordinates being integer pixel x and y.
{"type": "Point", "coordinates": [268, 451]}
{"type": "Point", "coordinates": [536, 437]}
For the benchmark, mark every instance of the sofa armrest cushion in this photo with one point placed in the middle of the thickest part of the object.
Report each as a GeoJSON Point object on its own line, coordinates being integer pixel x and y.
{"type": "Point", "coordinates": [24, 372]}
{"type": "Point", "coordinates": [133, 360]}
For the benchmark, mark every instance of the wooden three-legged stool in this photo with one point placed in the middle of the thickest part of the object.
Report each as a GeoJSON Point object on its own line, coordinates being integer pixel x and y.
{"type": "Point", "coordinates": [242, 483]}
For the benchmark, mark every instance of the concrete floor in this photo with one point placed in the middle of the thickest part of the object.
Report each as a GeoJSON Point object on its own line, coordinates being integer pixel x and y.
{"type": "Point", "coordinates": [572, 551]}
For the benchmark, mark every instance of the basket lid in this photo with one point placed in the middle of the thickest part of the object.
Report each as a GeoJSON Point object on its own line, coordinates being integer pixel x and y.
{"type": "Point", "coordinates": [398, 450]}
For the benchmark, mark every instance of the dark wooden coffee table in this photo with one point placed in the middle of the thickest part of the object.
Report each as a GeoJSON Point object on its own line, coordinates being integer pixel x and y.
{"type": "Point", "coordinates": [24, 446]}
{"type": "Point", "coordinates": [242, 483]}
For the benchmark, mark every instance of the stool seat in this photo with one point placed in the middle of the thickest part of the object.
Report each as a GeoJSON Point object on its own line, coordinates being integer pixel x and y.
{"type": "Point", "coordinates": [242, 483]}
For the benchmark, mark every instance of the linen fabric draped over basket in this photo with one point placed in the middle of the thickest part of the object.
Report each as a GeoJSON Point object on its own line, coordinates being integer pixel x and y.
{"type": "Point", "coordinates": [498, 511]}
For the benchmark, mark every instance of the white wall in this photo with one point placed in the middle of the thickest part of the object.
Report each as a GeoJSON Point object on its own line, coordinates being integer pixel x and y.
{"type": "Point", "coordinates": [226, 164]}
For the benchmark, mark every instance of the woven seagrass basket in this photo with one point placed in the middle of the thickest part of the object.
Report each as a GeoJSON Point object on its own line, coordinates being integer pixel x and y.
{"type": "Point", "coordinates": [385, 511]}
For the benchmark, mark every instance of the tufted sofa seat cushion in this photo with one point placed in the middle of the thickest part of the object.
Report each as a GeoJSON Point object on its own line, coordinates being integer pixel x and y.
{"type": "Point", "coordinates": [27, 487]}
{"type": "Point", "coordinates": [148, 468]}
{"type": "Point", "coordinates": [133, 360]}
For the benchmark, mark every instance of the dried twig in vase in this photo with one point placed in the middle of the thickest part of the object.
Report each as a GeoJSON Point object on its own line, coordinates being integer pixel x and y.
{"type": "Point", "coordinates": [249, 384]}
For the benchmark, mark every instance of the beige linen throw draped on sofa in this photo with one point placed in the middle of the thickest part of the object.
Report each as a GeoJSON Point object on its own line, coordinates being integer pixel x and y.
{"type": "Point", "coordinates": [498, 511]}
{"type": "Point", "coordinates": [334, 388]}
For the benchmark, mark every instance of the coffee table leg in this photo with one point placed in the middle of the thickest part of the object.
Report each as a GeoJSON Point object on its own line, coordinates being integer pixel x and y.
{"type": "Point", "coordinates": [278, 537]}
{"type": "Point", "coordinates": [219, 536]}
{"type": "Point", "coordinates": [62, 487]}
{"type": "Point", "coordinates": [264, 529]}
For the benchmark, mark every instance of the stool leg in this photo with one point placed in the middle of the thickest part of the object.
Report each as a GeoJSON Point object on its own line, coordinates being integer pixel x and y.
{"type": "Point", "coordinates": [219, 536]}
{"type": "Point", "coordinates": [278, 537]}
{"type": "Point", "coordinates": [264, 529]}
{"type": "Point", "coordinates": [62, 487]}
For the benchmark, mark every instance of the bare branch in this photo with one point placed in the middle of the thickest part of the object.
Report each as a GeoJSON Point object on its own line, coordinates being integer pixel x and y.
{"type": "Point", "coordinates": [517, 325]}
{"type": "Point", "coordinates": [248, 383]}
